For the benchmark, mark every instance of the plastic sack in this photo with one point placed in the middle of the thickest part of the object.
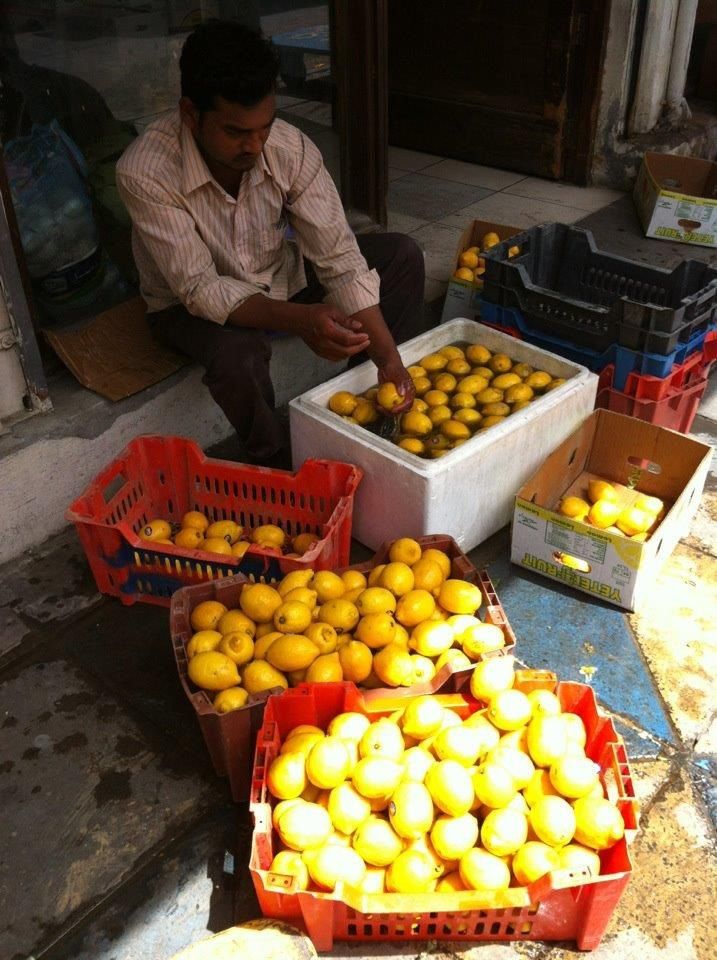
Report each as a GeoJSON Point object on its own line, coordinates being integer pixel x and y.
{"type": "Point", "coordinates": [47, 175]}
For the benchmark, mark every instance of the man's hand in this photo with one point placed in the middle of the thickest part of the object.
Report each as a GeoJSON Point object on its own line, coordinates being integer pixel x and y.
{"type": "Point", "coordinates": [395, 372]}
{"type": "Point", "coordinates": [331, 334]}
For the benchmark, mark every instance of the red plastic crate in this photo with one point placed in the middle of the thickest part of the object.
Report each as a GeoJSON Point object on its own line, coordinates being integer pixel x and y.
{"type": "Point", "coordinates": [642, 386]}
{"type": "Point", "coordinates": [167, 476]}
{"type": "Point", "coordinates": [230, 736]}
{"type": "Point", "coordinates": [563, 905]}
{"type": "Point", "coordinates": [676, 411]}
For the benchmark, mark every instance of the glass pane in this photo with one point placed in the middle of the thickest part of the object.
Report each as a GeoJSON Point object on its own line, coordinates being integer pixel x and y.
{"type": "Point", "coordinates": [78, 81]}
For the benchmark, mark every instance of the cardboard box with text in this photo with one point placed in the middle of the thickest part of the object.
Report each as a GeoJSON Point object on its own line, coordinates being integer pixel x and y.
{"type": "Point", "coordinates": [462, 297]}
{"type": "Point", "coordinates": [676, 198]}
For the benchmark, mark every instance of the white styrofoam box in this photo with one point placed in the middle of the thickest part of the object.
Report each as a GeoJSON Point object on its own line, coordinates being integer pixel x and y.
{"type": "Point", "coordinates": [470, 492]}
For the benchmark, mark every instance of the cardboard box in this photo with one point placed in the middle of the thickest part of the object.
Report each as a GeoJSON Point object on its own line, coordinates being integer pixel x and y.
{"type": "Point", "coordinates": [463, 298]}
{"type": "Point", "coordinates": [637, 456]}
{"type": "Point", "coordinates": [676, 198]}
{"type": "Point", "coordinates": [467, 494]}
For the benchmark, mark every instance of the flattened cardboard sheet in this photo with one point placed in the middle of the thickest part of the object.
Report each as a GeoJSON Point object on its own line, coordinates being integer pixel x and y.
{"type": "Point", "coordinates": [114, 353]}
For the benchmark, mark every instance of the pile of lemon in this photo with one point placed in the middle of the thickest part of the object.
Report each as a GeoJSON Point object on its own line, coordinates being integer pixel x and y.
{"type": "Point", "coordinates": [395, 627]}
{"type": "Point", "coordinates": [460, 391]}
{"type": "Point", "coordinates": [471, 263]}
{"type": "Point", "coordinates": [197, 532]}
{"type": "Point", "coordinates": [424, 801]}
{"type": "Point", "coordinates": [602, 509]}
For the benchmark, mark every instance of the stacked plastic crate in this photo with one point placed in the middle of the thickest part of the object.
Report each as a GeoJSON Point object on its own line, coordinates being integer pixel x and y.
{"type": "Point", "coordinates": [651, 333]}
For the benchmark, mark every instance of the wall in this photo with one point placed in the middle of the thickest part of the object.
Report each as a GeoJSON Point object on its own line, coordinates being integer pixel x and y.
{"type": "Point", "coordinates": [12, 380]}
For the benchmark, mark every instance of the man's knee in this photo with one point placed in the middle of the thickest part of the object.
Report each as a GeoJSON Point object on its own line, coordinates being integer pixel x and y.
{"type": "Point", "coordinates": [239, 352]}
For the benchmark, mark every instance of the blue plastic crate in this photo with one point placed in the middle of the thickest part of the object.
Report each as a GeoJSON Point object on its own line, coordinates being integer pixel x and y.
{"type": "Point", "coordinates": [625, 361]}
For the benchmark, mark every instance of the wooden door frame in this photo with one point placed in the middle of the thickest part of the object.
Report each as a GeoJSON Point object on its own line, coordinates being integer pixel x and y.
{"type": "Point", "coordinates": [360, 65]}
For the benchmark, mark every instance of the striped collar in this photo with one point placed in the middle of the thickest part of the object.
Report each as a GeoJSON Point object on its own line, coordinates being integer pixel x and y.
{"type": "Point", "coordinates": [195, 172]}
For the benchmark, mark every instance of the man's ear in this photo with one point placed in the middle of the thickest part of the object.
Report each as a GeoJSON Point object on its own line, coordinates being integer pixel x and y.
{"type": "Point", "coordinates": [189, 114]}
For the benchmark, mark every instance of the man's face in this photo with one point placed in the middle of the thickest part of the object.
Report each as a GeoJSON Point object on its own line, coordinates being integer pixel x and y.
{"type": "Point", "coordinates": [231, 134]}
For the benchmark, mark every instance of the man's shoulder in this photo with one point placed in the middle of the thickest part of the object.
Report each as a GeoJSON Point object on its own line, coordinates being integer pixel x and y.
{"type": "Point", "coordinates": [158, 148]}
{"type": "Point", "coordinates": [285, 138]}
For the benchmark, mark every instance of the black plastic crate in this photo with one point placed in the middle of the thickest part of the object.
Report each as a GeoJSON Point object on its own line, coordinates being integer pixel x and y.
{"type": "Point", "coordinates": [567, 288]}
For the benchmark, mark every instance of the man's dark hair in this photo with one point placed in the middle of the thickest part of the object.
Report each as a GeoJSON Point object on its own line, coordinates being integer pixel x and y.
{"type": "Point", "coordinates": [226, 59]}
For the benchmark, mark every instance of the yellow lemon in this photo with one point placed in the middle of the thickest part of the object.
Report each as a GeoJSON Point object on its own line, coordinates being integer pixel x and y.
{"type": "Point", "coordinates": [382, 739]}
{"type": "Point", "coordinates": [233, 698]}
{"type": "Point", "coordinates": [544, 701]}
{"type": "Point", "coordinates": [388, 396]}
{"type": "Point", "coordinates": [304, 542]}
{"type": "Point", "coordinates": [647, 504]}
{"type": "Point", "coordinates": [468, 259]}
{"type": "Point", "coordinates": [238, 646]}
{"type": "Point", "coordinates": [411, 872]}
{"type": "Point", "coordinates": [410, 810]}
{"type": "Point", "coordinates": [574, 856]}
{"type": "Point", "coordinates": [421, 386]}
{"type": "Point", "coordinates": [292, 617]}
{"type": "Point", "coordinates": [599, 823]}
{"type": "Point", "coordinates": [490, 239]}
{"type": "Point", "coordinates": [491, 676]}
{"type": "Point", "coordinates": [207, 614]}
{"type": "Point", "coordinates": [212, 670]}
{"type": "Point", "coordinates": [239, 548]}
{"type": "Point", "coordinates": [348, 726]}
{"type": "Point", "coordinates": [333, 863]}
{"type": "Point", "coordinates": [416, 424]}
{"type": "Point", "coordinates": [292, 652]}
{"type": "Point", "coordinates": [326, 668]}
{"type": "Point", "coordinates": [445, 382]}
{"type": "Point", "coordinates": [481, 638]}
{"type": "Point", "coordinates": [450, 883]}
{"type": "Point", "coordinates": [601, 490]}
{"type": "Point", "coordinates": [574, 776]}
{"type": "Point", "coordinates": [490, 410]}
{"type": "Point", "coordinates": [156, 530]}
{"type": "Point", "coordinates": [451, 787]}
{"type": "Point", "coordinates": [194, 520]}
{"type": "Point", "coordinates": [365, 412]}
{"type": "Point", "coordinates": [328, 763]}
{"type": "Point", "coordinates": [374, 880]}
{"type": "Point", "coordinates": [422, 717]}
{"type": "Point", "coordinates": [260, 675]}
{"type": "Point", "coordinates": [264, 642]}
{"type": "Point", "coordinates": [477, 354]}
{"type": "Point", "coordinates": [376, 599]}
{"type": "Point", "coordinates": [303, 728]}
{"type": "Point", "coordinates": [202, 641]}
{"type": "Point", "coordinates": [260, 602]}
{"type": "Point", "coordinates": [434, 362]}
{"type": "Point", "coordinates": [634, 521]}
{"type": "Point", "coordinates": [269, 534]}
{"type": "Point", "coordinates": [376, 842]}
{"type": "Point", "coordinates": [603, 513]}
{"type": "Point", "coordinates": [493, 784]}
{"type": "Point", "coordinates": [555, 382]}
{"type": "Point", "coordinates": [397, 577]}
{"type": "Point", "coordinates": [455, 430]}
{"type": "Point", "coordinates": [538, 786]}
{"type": "Point", "coordinates": [217, 545]}
{"type": "Point", "coordinates": [538, 380]}
{"type": "Point", "coordinates": [453, 351]}
{"type": "Point", "coordinates": [392, 665]}
{"type": "Point", "coordinates": [519, 764]}
{"type": "Point", "coordinates": [286, 776]}
{"type": "Point", "coordinates": [288, 863]}
{"type": "Point", "coordinates": [438, 416]}
{"type": "Point", "coordinates": [503, 832]}
{"type": "Point", "coordinates": [416, 762]}
{"type": "Point", "coordinates": [427, 575]}
{"type": "Point", "coordinates": [439, 557]}
{"type": "Point", "coordinates": [327, 585]}
{"type": "Point", "coordinates": [460, 743]}
{"type": "Point", "coordinates": [376, 776]}
{"type": "Point", "coordinates": [356, 660]}
{"type": "Point", "coordinates": [416, 370]}
{"type": "Point", "coordinates": [518, 393]}
{"type": "Point", "coordinates": [509, 710]}
{"type": "Point", "coordinates": [459, 596]}
{"type": "Point", "coordinates": [488, 736]}
{"type": "Point", "coordinates": [304, 825]}
{"type": "Point", "coordinates": [480, 870]}
{"type": "Point", "coordinates": [347, 808]}
{"type": "Point", "coordinates": [431, 638]}
{"type": "Point", "coordinates": [415, 606]}
{"type": "Point", "coordinates": [412, 445]}
{"type": "Point", "coordinates": [533, 861]}
{"type": "Point", "coordinates": [301, 743]}
{"type": "Point", "coordinates": [471, 418]}
{"type": "Point", "coordinates": [354, 580]}
{"type": "Point", "coordinates": [547, 739]}
{"type": "Point", "coordinates": [423, 670]}
{"type": "Point", "coordinates": [376, 630]}
{"type": "Point", "coordinates": [405, 550]}
{"type": "Point", "coordinates": [553, 820]}
{"type": "Point", "coordinates": [343, 403]}
{"type": "Point", "coordinates": [574, 728]}
{"type": "Point", "coordinates": [234, 621]}
{"type": "Point", "coordinates": [322, 635]}
{"type": "Point", "coordinates": [294, 580]}
{"type": "Point", "coordinates": [225, 530]}
{"type": "Point", "coordinates": [436, 398]}
{"type": "Point", "coordinates": [301, 595]}
{"type": "Point", "coordinates": [500, 363]}
{"type": "Point", "coordinates": [452, 837]}
{"type": "Point", "coordinates": [189, 538]}
{"type": "Point", "coordinates": [505, 380]}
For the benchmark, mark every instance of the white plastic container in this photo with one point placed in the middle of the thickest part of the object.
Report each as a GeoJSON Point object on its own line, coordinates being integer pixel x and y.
{"type": "Point", "coordinates": [470, 492]}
